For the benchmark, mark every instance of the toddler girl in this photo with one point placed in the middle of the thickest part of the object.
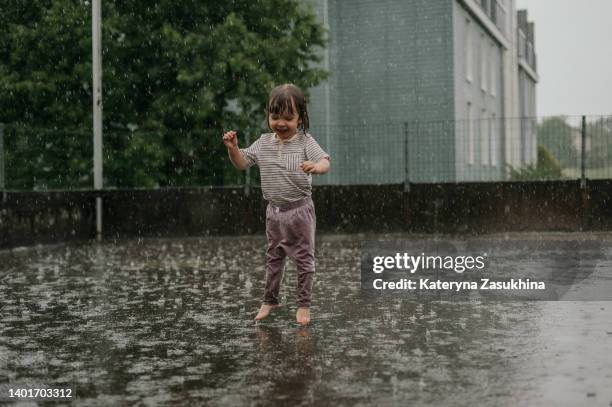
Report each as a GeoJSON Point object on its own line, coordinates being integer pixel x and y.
{"type": "Point", "coordinates": [286, 158]}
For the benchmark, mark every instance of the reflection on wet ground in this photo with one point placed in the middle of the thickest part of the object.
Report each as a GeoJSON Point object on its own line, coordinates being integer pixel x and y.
{"type": "Point", "coordinates": [169, 322]}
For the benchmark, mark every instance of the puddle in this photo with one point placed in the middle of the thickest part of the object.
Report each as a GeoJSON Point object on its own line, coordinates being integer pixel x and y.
{"type": "Point", "coordinates": [169, 321]}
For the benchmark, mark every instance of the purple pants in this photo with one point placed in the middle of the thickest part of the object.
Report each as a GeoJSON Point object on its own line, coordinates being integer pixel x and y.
{"type": "Point", "coordinates": [290, 232]}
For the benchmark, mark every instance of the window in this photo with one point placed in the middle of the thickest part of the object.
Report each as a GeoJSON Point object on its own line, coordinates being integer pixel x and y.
{"type": "Point", "coordinates": [485, 6]}
{"type": "Point", "coordinates": [493, 71]}
{"type": "Point", "coordinates": [468, 50]}
{"type": "Point", "coordinates": [483, 63]}
{"type": "Point", "coordinates": [494, 130]}
{"type": "Point", "coordinates": [470, 135]}
{"type": "Point", "coordinates": [501, 13]}
{"type": "Point", "coordinates": [485, 146]}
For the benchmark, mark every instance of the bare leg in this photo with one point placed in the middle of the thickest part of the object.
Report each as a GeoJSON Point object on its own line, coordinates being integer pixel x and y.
{"type": "Point", "coordinates": [303, 316]}
{"type": "Point", "coordinates": [264, 311]}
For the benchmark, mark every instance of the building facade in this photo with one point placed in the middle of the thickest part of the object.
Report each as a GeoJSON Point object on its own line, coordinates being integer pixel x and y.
{"type": "Point", "coordinates": [420, 90]}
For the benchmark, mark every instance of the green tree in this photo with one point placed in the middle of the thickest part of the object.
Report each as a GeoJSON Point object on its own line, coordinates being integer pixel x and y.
{"type": "Point", "coordinates": [558, 137]}
{"type": "Point", "coordinates": [547, 168]}
{"type": "Point", "coordinates": [599, 134]}
{"type": "Point", "coordinates": [175, 74]}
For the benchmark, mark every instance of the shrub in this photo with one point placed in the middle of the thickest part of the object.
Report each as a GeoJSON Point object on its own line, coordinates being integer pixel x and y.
{"type": "Point", "coordinates": [547, 168]}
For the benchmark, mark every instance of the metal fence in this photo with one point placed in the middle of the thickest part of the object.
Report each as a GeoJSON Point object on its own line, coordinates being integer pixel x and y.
{"type": "Point", "coordinates": [482, 150]}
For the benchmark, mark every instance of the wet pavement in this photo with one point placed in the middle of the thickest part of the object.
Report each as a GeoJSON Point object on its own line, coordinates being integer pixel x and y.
{"type": "Point", "coordinates": [170, 322]}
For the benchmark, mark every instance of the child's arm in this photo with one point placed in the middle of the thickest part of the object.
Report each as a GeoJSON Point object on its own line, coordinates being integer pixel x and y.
{"type": "Point", "coordinates": [230, 139]}
{"type": "Point", "coordinates": [321, 167]}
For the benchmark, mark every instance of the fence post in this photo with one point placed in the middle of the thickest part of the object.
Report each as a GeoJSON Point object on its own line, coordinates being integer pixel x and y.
{"type": "Point", "coordinates": [247, 175]}
{"type": "Point", "coordinates": [406, 150]}
{"type": "Point", "coordinates": [2, 181]}
{"type": "Point", "coordinates": [96, 67]}
{"type": "Point", "coordinates": [583, 154]}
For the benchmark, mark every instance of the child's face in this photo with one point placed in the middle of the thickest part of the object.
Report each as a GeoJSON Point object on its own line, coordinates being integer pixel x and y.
{"type": "Point", "coordinates": [284, 125]}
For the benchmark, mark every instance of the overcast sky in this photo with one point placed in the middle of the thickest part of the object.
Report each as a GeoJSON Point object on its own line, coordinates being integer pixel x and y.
{"type": "Point", "coordinates": [574, 51]}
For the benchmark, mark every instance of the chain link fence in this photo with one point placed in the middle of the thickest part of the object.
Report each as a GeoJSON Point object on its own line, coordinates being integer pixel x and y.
{"type": "Point", "coordinates": [482, 150]}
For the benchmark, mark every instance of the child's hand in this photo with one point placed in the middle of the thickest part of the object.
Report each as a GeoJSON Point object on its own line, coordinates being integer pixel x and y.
{"type": "Point", "coordinates": [230, 139]}
{"type": "Point", "coordinates": [308, 167]}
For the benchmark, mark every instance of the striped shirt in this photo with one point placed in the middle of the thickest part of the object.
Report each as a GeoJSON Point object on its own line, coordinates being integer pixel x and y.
{"type": "Point", "coordinates": [282, 179]}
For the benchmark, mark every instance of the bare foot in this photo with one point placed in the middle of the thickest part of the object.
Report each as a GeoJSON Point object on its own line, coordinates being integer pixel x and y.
{"type": "Point", "coordinates": [264, 311]}
{"type": "Point", "coordinates": [303, 316]}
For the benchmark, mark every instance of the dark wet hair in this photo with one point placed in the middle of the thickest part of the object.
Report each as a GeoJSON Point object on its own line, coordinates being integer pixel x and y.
{"type": "Point", "coordinates": [280, 102]}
